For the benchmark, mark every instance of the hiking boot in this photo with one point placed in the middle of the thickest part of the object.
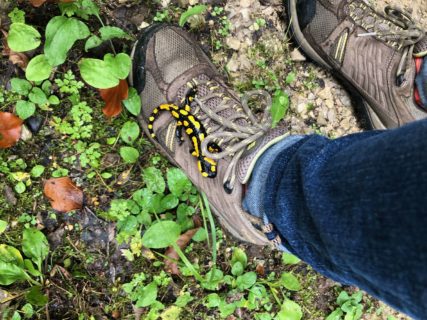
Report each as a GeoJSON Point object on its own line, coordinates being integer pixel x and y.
{"type": "Point", "coordinates": [199, 124]}
{"type": "Point", "coordinates": [371, 53]}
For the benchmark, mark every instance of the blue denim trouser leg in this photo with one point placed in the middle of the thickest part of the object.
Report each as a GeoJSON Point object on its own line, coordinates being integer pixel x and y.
{"type": "Point", "coordinates": [354, 208]}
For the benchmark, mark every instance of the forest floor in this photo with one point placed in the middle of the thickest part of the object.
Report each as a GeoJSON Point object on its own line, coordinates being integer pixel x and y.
{"type": "Point", "coordinates": [96, 267]}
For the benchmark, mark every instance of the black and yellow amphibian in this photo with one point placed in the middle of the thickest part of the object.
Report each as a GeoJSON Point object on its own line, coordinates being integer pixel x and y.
{"type": "Point", "coordinates": [193, 128]}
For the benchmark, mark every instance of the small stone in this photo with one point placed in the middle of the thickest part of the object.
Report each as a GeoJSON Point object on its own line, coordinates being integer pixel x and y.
{"type": "Point", "coordinates": [245, 3]}
{"type": "Point", "coordinates": [311, 96]}
{"type": "Point", "coordinates": [330, 104]}
{"type": "Point", "coordinates": [233, 65]}
{"type": "Point", "coordinates": [297, 56]}
{"type": "Point", "coordinates": [345, 100]}
{"type": "Point", "coordinates": [34, 123]}
{"type": "Point", "coordinates": [193, 2]}
{"type": "Point", "coordinates": [302, 108]}
{"type": "Point", "coordinates": [143, 25]}
{"type": "Point", "coordinates": [321, 121]}
{"type": "Point", "coordinates": [332, 115]}
{"type": "Point", "coordinates": [26, 133]}
{"type": "Point", "coordinates": [10, 195]}
{"type": "Point", "coordinates": [325, 94]}
{"type": "Point", "coordinates": [233, 43]}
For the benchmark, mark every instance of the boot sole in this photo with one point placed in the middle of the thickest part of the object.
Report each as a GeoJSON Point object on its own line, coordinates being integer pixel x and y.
{"type": "Point", "coordinates": [253, 236]}
{"type": "Point", "coordinates": [366, 115]}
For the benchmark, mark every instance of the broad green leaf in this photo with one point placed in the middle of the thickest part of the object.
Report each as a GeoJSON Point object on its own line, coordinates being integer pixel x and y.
{"type": "Point", "coordinates": [61, 34]}
{"type": "Point", "coordinates": [178, 182]}
{"type": "Point", "coordinates": [226, 309]}
{"type": "Point", "coordinates": [20, 187]}
{"type": "Point", "coordinates": [12, 255]}
{"type": "Point", "coordinates": [357, 297]}
{"type": "Point", "coordinates": [288, 258]}
{"type": "Point", "coordinates": [16, 316]}
{"type": "Point", "coordinates": [20, 86]}
{"type": "Point", "coordinates": [28, 310]}
{"type": "Point", "coordinates": [119, 65]}
{"type": "Point", "coordinates": [23, 37]}
{"type": "Point", "coordinates": [239, 255]}
{"type": "Point", "coordinates": [200, 235]}
{"type": "Point", "coordinates": [37, 96]}
{"type": "Point", "coordinates": [154, 180]}
{"type": "Point", "coordinates": [104, 74]}
{"type": "Point", "coordinates": [25, 109]}
{"type": "Point", "coordinates": [130, 132]}
{"type": "Point", "coordinates": [171, 313]}
{"type": "Point", "coordinates": [92, 42]}
{"type": "Point", "coordinates": [212, 300]}
{"type": "Point", "coordinates": [35, 245]}
{"type": "Point", "coordinates": [336, 315]}
{"type": "Point", "coordinates": [342, 298]}
{"type": "Point", "coordinates": [290, 282]}
{"type": "Point", "coordinates": [30, 268]}
{"type": "Point", "coordinates": [161, 235]}
{"type": "Point", "coordinates": [279, 106]}
{"type": "Point", "coordinates": [133, 102]}
{"type": "Point", "coordinates": [9, 273]}
{"type": "Point", "coordinates": [36, 297]}
{"type": "Point", "coordinates": [3, 226]}
{"type": "Point", "coordinates": [212, 281]}
{"type": "Point", "coordinates": [38, 68]}
{"type": "Point", "coordinates": [246, 280]}
{"type": "Point", "coordinates": [47, 87]}
{"type": "Point", "coordinates": [168, 202]}
{"type": "Point", "coordinates": [147, 295]}
{"type": "Point", "coordinates": [53, 100]}
{"type": "Point", "coordinates": [129, 154]}
{"type": "Point", "coordinates": [183, 300]}
{"type": "Point", "coordinates": [199, 9]}
{"type": "Point", "coordinates": [237, 269]}
{"type": "Point", "coordinates": [108, 33]}
{"type": "Point", "coordinates": [290, 311]}
{"type": "Point", "coordinates": [290, 78]}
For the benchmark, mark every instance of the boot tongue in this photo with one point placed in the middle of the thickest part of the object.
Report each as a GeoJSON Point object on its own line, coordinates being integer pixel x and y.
{"type": "Point", "coordinates": [420, 49]}
{"type": "Point", "coordinates": [255, 151]}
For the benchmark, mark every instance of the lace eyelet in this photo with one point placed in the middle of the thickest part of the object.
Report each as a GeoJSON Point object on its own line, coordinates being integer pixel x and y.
{"type": "Point", "coordinates": [227, 188]}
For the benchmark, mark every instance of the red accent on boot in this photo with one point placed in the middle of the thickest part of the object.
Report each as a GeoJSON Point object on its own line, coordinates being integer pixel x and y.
{"type": "Point", "coordinates": [417, 97]}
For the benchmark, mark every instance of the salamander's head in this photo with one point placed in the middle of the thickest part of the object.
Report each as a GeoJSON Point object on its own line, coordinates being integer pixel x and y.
{"type": "Point", "coordinates": [208, 167]}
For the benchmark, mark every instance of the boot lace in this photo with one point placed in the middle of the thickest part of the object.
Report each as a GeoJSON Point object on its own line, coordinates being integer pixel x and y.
{"type": "Point", "coordinates": [397, 29]}
{"type": "Point", "coordinates": [233, 133]}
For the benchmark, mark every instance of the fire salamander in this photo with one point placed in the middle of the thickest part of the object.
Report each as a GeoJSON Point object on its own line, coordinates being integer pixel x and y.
{"type": "Point", "coordinates": [193, 128]}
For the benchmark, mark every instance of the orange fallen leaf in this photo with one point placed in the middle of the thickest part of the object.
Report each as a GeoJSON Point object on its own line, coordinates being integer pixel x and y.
{"type": "Point", "coordinates": [63, 194]}
{"type": "Point", "coordinates": [113, 98]}
{"type": "Point", "coordinates": [18, 58]}
{"type": "Point", "coordinates": [37, 3]}
{"type": "Point", "coordinates": [182, 242]}
{"type": "Point", "coordinates": [10, 129]}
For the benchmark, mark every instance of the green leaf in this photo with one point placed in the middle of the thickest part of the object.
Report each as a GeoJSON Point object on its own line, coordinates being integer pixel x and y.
{"type": "Point", "coordinates": [104, 74]}
{"type": "Point", "coordinates": [212, 300]}
{"type": "Point", "coordinates": [161, 235]}
{"type": "Point", "coordinates": [290, 282]}
{"type": "Point", "coordinates": [279, 106]}
{"type": "Point", "coordinates": [3, 226]}
{"type": "Point", "coordinates": [336, 315]}
{"type": "Point", "coordinates": [183, 300]}
{"type": "Point", "coordinates": [133, 102]}
{"type": "Point", "coordinates": [290, 78]}
{"type": "Point", "coordinates": [171, 313]}
{"type": "Point", "coordinates": [35, 245]}
{"type": "Point", "coordinates": [357, 296]}
{"type": "Point", "coordinates": [200, 235]}
{"type": "Point", "coordinates": [288, 258]}
{"type": "Point", "coordinates": [178, 182]}
{"type": "Point", "coordinates": [25, 109]}
{"type": "Point", "coordinates": [16, 316]}
{"type": "Point", "coordinates": [290, 311]}
{"type": "Point", "coordinates": [199, 9]}
{"type": "Point", "coordinates": [28, 310]}
{"type": "Point", "coordinates": [17, 15]}
{"type": "Point", "coordinates": [47, 87]}
{"type": "Point", "coordinates": [342, 298]}
{"type": "Point", "coordinates": [61, 34]}
{"type": "Point", "coordinates": [212, 281]}
{"type": "Point", "coordinates": [92, 42]}
{"type": "Point", "coordinates": [53, 100]}
{"type": "Point", "coordinates": [20, 187]}
{"type": "Point", "coordinates": [246, 281]}
{"type": "Point", "coordinates": [239, 256]}
{"type": "Point", "coordinates": [38, 68]}
{"type": "Point", "coordinates": [226, 309]}
{"type": "Point", "coordinates": [9, 273]}
{"type": "Point", "coordinates": [130, 132]}
{"type": "Point", "coordinates": [237, 269]}
{"type": "Point", "coordinates": [37, 171]}
{"type": "Point", "coordinates": [12, 255]}
{"type": "Point", "coordinates": [168, 202]}
{"type": "Point", "coordinates": [153, 179]}
{"type": "Point", "coordinates": [147, 295]}
{"type": "Point", "coordinates": [108, 33]}
{"type": "Point", "coordinates": [23, 37]}
{"type": "Point", "coordinates": [37, 96]}
{"type": "Point", "coordinates": [36, 297]}
{"type": "Point", "coordinates": [129, 154]}
{"type": "Point", "coordinates": [30, 268]}
{"type": "Point", "coordinates": [20, 86]}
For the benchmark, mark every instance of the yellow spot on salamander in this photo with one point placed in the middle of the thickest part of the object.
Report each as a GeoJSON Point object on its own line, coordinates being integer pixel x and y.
{"type": "Point", "coordinates": [205, 174]}
{"type": "Point", "coordinates": [213, 169]}
{"type": "Point", "coordinates": [210, 161]}
{"type": "Point", "coordinates": [189, 131]}
{"type": "Point", "coordinates": [150, 126]}
{"type": "Point", "coordinates": [186, 124]}
{"type": "Point", "coordinates": [195, 145]}
{"type": "Point", "coordinates": [153, 135]}
{"type": "Point", "coordinates": [187, 108]}
{"type": "Point", "coordinates": [199, 166]}
{"type": "Point", "coordinates": [151, 118]}
{"type": "Point", "coordinates": [156, 111]}
{"type": "Point", "coordinates": [183, 112]}
{"type": "Point", "coordinates": [201, 136]}
{"type": "Point", "coordinates": [175, 114]}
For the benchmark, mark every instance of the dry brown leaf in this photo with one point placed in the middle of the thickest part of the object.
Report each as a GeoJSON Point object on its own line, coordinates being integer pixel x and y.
{"type": "Point", "coordinates": [182, 242]}
{"type": "Point", "coordinates": [37, 3]}
{"type": "Point", "coordinates": [63, 194]}
{"type": "Point", "coordinates": [18, 58]}
{"type": "Point", "coordinates": [10, 129]}
{"type": "Point", "coordinates": [113, 98]}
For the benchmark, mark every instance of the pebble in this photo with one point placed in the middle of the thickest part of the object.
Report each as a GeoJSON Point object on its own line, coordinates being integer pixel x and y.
{"type": "Point", "coordinates": [233, 43]}
{"type": "Point", "coordinates": [26, 134]}
{"type": "Point", "coordinates": [297, 56]}
{"type": "Point", "coordinates": [245, 3]}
